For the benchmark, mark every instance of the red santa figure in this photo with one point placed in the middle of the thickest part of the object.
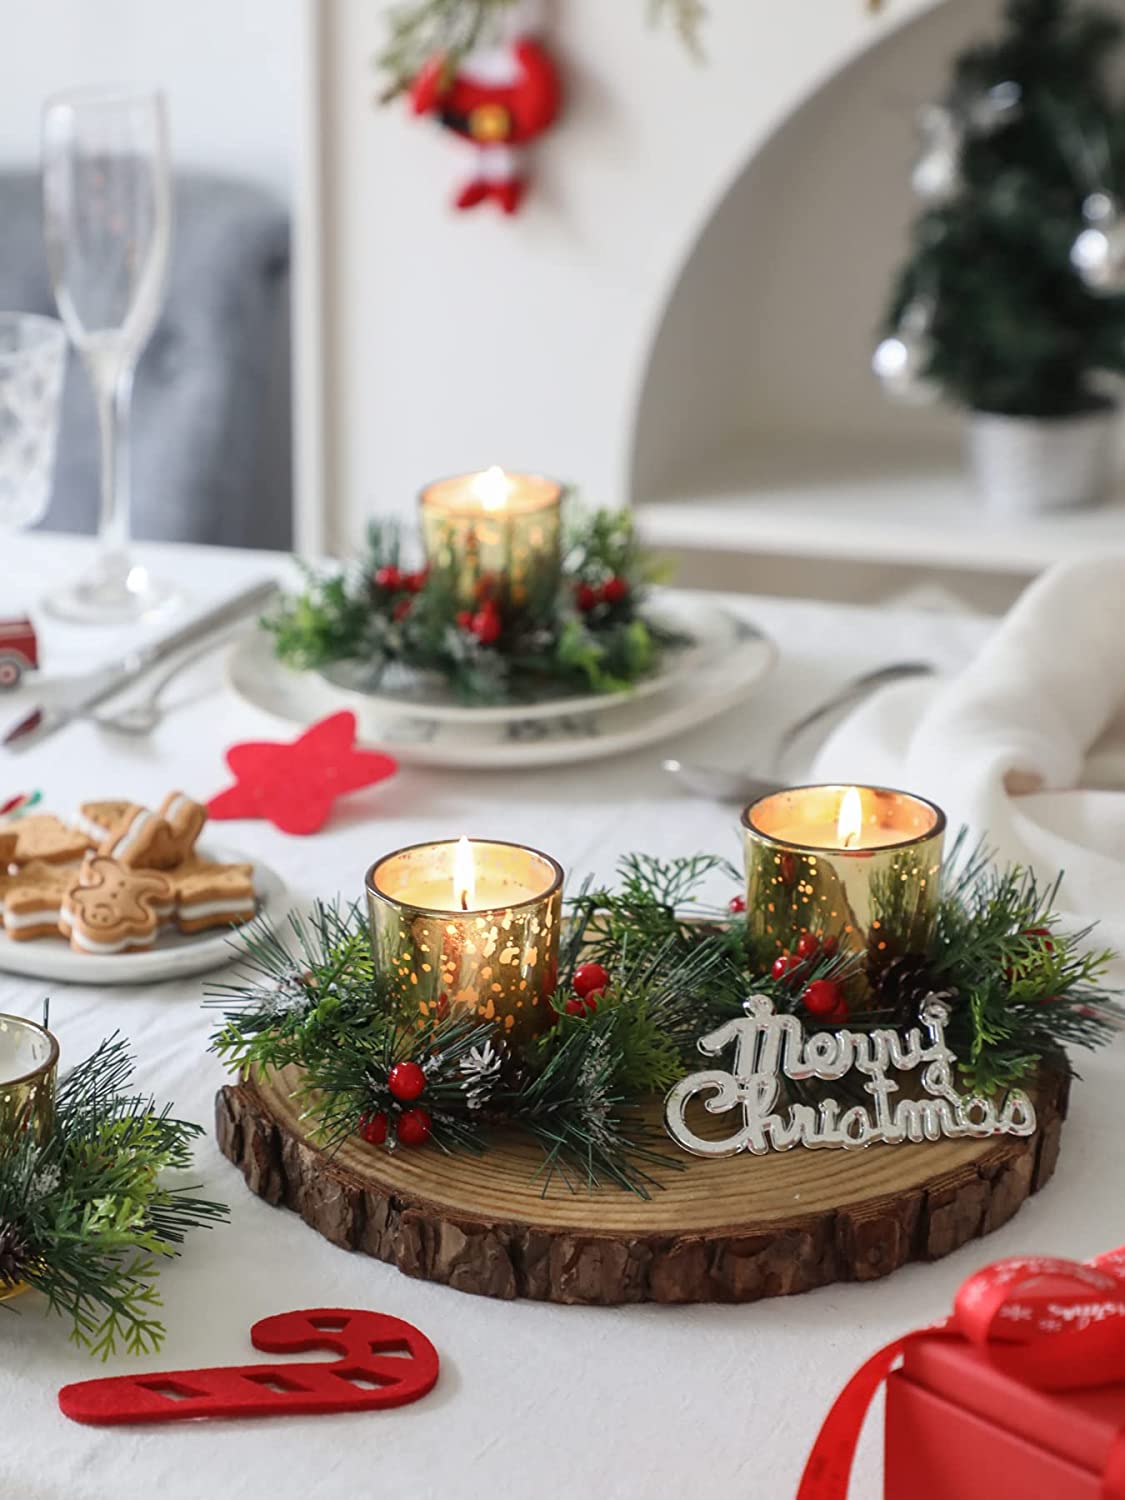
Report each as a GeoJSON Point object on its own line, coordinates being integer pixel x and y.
{"type": "Point", "coordinates": [498, 99]}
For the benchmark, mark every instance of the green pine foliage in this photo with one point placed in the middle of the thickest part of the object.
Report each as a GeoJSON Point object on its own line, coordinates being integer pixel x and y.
{"type": "Point", "coordinates": [420, 29]}
{"type": "Point", "coordinates": [549, 648]}
{"type": "Point", "coordinates": [1015, 330]}
{"type": "Point", "coordinates": [1020, 990]}
{"type": "Point", "coordinates": [90, 1211]}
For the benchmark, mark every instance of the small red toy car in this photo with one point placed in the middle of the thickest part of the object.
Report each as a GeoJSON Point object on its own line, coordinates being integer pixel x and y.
{"type": "Point", "coordinates": [19, 651]}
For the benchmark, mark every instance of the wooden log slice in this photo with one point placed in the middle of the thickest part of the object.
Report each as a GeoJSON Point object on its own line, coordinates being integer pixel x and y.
{"type": "Point", "coordinates": [731, 1230]}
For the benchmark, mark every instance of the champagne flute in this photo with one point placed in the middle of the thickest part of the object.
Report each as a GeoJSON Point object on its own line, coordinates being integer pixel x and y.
{"type": "Point", "coordinates": [107, 219]}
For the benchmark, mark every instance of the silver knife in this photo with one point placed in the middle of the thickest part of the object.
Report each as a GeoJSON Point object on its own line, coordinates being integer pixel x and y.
{"type": "Point", "coordinates": [86, 693]}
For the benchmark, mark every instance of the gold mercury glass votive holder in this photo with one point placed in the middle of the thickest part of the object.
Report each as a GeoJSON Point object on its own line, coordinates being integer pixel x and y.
{"type": "Point", "coordinates": [861, 865]}
{"type": "Point", "coordinates": [469, 929]}
{"type": "Point", "coordinates": [29, 1059]}
{"type": "Point", "coordinates": [495, 535]}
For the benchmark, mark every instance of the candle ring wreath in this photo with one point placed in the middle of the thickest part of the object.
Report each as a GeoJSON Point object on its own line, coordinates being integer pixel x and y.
{"type": "Point", "coordinates": [87, 1210]}
{"type": "Point", "coordinates": [508, 611]}
{"type": "Point", "coordinates": [649, 976]}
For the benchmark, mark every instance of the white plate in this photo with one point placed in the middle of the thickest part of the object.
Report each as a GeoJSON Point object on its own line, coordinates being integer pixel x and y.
{"type": "Point", "coordinates": [173, 956]}
{"type": "Point", "coordinates": [424, 696]}
{"type": "Point", "coordinates": [614, 727]}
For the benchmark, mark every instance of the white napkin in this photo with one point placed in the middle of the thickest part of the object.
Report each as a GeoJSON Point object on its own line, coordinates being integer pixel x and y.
{"type": "Point", "coordinates": [1027, 746]}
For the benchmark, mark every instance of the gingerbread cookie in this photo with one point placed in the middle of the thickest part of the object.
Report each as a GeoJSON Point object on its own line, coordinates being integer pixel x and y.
{"type": "Point", "coordinates": [43, 837]}
{"type": "Point", "coordinates": [210, 894]}
{"type": "Point", "coordinates": [101, 820]}
{"type": "Point", "coordinates": [142, 842]}
{"type": "Point", "coordinates": [33, 898]}
{"type": "Point", "coordinates": [114, 909]}
{"type": "Point", "coordinates": [185, 818]}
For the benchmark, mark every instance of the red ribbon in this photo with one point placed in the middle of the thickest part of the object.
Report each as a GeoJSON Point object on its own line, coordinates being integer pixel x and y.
{"type": "Point", "coordinates": [1057, 1325]}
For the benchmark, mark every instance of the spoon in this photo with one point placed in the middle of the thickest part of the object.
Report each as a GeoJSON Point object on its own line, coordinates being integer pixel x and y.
{"type": "Point", "coordinates": [733, 786]}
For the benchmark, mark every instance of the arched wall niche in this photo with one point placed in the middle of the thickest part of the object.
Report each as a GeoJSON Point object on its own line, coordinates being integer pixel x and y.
{"type": "Point", "coordinates": [759, 373]}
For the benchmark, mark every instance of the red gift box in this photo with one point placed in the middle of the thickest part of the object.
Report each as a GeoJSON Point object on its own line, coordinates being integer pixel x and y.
{"type": "Point", "coordinates": [1021, 1391]}
{"type": "Point", "coordinates": [957, 1428]}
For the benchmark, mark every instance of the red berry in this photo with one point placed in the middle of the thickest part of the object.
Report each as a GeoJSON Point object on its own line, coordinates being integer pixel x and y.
{"type": "Point", "coordinates": [403, 608]}
{"type": "Point", "coordinates": [1044, 933]}
{"type": "Point", "coordinates": [486, 625]}
{"type": "Point", "coordinates": [737, 905]}
{"type": "Point", "coordinates": [615, 590]}
{"type": "Point", "coordinates": [841, 1013]}
{"type": "Point", "coordinates": [373, 1129]}
{"type": "Point", "coordinates": [406, 1082]}
{"type": "Point", "coordinates": [590, 979]}
{"type": "Point", "coordinates": [576, 1007]}
{"type": "Point", "coordinates": [414, 1127]}
{"type": "Point", "coordinates": [465, 619]}
{"type": "Point", "coordinates": [389, 579]}
{"type": "Point", "coordinates": [781, 966]}
{"type": "Point", "coordinates": [587, 597]}
{"type": "Point", "coordinates": [822, 997]}
{"type": "Point", "coordinates": [808, 945]}
{"type": "Point", "coordinates": [416, 582]}
{"type": "Point", "coordinates": [830, 945]}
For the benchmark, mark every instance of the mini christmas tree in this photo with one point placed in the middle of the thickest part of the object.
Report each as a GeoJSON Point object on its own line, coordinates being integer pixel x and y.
{"type": "Point", "coordinates": [1011, 299]}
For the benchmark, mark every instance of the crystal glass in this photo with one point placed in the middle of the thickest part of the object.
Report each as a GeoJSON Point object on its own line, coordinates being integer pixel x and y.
{"type": "Point", "coordinates": [32, 366]}
{"type": "Point", "coordinates": [107, 218]}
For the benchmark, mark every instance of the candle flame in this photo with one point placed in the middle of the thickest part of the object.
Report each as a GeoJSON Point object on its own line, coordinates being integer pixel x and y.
{"type": "Point", "coordinates": [464, 876]}
{"type": "Point", "coordinates": [492, 489]}
{"type": "Point", "coordinates": [849, 825]}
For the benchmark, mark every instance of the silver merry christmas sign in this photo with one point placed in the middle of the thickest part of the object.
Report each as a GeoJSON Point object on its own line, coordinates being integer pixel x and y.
{"type": "Point", "coordinates": [769, 1047]}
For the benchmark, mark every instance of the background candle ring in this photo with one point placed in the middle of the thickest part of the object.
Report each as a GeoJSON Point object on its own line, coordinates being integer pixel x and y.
{"type": "Point", "coordinates": [878, 897]}
{"type": "Point", "coordinates": [497, 961]}
{"type": "Point", "coordinates": [29, 1060]}
{"type": "Point", "coordinates": [510, 552]}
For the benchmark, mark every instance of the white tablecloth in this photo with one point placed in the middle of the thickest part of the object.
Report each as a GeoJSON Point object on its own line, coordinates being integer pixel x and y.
{"type": "Point", "coordinates": [533, 1400]}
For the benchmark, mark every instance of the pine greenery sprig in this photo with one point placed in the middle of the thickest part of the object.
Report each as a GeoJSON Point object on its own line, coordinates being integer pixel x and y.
{"type": "Point", "coordinates": [422, 29]}
{"type": "Point", "coordinates": [1020, 990]}
{"type": "Point", "coordinates": [87, 1215]}
{"type": "Point", "coordinates": [414, 624]}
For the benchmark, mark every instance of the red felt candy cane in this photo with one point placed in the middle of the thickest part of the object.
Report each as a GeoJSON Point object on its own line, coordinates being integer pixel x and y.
{"type": "Point", "coordinates": [382, 1362]}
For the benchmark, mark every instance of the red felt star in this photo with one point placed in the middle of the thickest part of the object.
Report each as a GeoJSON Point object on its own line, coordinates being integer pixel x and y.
{"type": "Point", "coordinates": [294, 785]}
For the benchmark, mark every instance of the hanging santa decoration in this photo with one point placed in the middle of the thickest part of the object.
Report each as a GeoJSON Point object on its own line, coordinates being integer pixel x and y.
{"type": "Point", "coordinates": [498, 99]}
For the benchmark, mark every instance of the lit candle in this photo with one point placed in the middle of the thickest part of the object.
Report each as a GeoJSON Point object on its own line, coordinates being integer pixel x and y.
{"type": "Point", "coordinates": [469, 928]}
{"type": "Point", "coordinates": [495, 535]}
{"type": "Point", "coordinates": [858, 864]}
{"type": "Point", "coordinates": [29, 1057]}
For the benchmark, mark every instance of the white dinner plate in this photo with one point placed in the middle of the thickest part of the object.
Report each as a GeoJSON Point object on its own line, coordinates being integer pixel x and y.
{"type": "Point", "coordinates": [709, 631]}
{"type": "Point", "coordinates": [716, 685]}
{"type": "Point", "coordinates": [174, 955]}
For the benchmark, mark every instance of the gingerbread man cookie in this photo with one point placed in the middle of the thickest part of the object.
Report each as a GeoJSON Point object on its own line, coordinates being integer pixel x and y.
{"type": "Point", "coordinates": [114, 909]}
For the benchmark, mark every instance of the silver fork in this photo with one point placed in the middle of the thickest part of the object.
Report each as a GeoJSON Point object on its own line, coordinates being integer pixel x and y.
{"type": "Point", "coordinates": [143, 715]}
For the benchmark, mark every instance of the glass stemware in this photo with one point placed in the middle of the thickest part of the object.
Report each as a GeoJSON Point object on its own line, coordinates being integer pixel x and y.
{"type": "Point", "coordinates": [107, 219]}
{"type": "Point", "coordinates": [32, 366]}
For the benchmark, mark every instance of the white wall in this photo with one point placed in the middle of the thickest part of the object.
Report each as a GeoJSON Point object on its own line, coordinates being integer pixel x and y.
{"type": "Point", "coordinates": [230, 68]}
{"type": "Point", "coordinates": [452, 342]}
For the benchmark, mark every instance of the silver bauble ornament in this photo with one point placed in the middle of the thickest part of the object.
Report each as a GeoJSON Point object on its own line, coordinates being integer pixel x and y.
{"type": "Point", "coordinates": [900, 360]}
{"type": "Point", "coordinates": [1098, 254]}
{"type": "Point", "coordinates": [937, 172]}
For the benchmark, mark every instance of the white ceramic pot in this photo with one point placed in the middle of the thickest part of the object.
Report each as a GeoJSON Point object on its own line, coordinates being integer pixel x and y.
{"type": "Point", "coordinates": [1027, 465]}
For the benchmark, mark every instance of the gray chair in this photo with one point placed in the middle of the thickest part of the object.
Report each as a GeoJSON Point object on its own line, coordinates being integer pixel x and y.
{"type": "Point", "coordinates": [211, 423]}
